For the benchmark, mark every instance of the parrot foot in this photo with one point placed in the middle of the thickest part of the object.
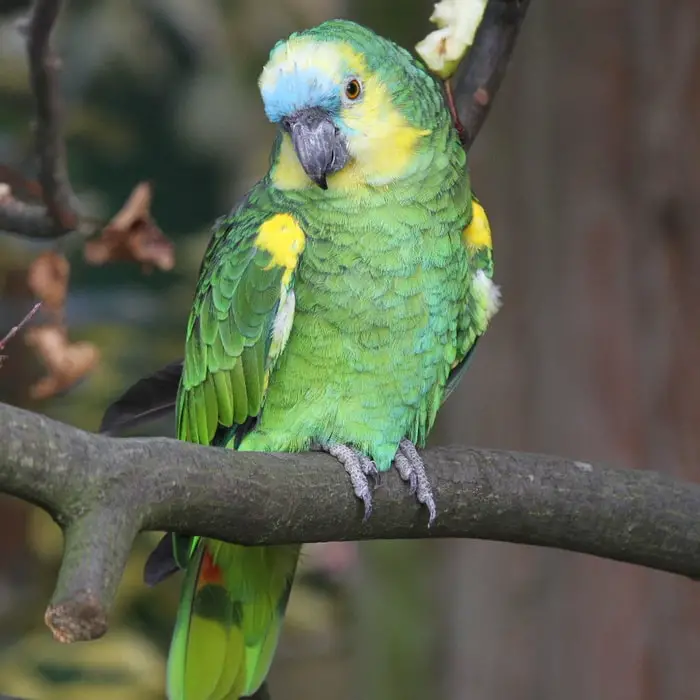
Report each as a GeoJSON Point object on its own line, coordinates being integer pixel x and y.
{"type": "Point", "coordinates": [411, 469]}
{"type": "Point", "coordinates": [359, 468]}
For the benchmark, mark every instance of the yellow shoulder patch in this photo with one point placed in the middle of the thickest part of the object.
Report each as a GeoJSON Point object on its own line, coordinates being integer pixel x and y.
{"type": "Point", "coordinates": [478, 233]}
{"type": "Point", "coordinates": [282, 237]}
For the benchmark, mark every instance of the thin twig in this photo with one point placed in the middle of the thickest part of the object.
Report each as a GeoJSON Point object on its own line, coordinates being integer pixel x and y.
{"type": "Point", "coordinates": [16, 329]}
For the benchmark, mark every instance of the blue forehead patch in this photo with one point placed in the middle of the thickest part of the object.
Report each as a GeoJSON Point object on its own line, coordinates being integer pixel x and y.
{"type": "Point", "coordinates": [299, 89]}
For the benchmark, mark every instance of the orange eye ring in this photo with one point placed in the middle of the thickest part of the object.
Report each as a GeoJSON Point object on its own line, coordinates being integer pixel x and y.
{"type": "Point", "coordinates": [353, 89]}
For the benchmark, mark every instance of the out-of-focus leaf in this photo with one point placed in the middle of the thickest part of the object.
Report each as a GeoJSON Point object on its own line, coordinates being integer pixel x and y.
{"type": "Point", "coordinates": [330, 558]}
{"type": "Point", "coordinates": [310, 611]}
{"type": "Point", "coordinates": [48, 279]}
{"type": "Point", "coordinates": [121, 665]}
{"type": "Point", "coordinates": [65, 362]}
{"type": "Point", "coordinates": [133, 235]}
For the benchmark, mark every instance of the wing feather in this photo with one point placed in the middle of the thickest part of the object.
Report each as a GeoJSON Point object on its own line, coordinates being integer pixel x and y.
{"type": "Point", "coordinates": [247, 276]}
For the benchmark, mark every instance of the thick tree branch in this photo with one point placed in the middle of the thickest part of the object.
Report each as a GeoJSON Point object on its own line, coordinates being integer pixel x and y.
{"type": "Point", "coordinates": [102, 491]}
{"type": "Point", "coordinates": [479, 77]}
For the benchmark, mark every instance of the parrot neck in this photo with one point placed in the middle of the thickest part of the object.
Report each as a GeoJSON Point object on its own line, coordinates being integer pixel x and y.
{"type": "Point", "coordinates": [406, 209]}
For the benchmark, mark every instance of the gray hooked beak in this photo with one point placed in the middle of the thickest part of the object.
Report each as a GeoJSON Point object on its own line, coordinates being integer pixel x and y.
{"type": "Point", "coordinates": [321, 149]}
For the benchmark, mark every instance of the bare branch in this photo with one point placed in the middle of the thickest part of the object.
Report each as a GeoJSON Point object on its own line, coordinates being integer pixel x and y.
{"type": "Point", "coordinates": [50, 147]}
{"type": "Point", "coordinates": [28, 220]}
{"type": "Point", "coordinates": [480, 75]}
{"type": "Point", "coordinates": [102, 491]}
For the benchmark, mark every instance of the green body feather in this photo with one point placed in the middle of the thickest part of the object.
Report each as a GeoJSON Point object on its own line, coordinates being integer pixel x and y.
{"type": "Point", "coordinates": [386, 311]}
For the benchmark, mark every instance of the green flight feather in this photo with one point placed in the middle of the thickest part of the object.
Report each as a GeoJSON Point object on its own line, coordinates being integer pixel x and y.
{"type": "Point", "coordinates": [238, 386]}
{"type": "Point", "coordinates": [177, 659]}
{"type": "Point", "coordinates": [253, 378]}
{"type": "Point", "coordinates": [224, 396]}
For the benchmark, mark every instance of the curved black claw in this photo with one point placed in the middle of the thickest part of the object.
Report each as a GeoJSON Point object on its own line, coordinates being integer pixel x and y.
{"type": "Point", "coordinates": [410, 467]}
{"type": "Point", "coordinates": [359, 468]}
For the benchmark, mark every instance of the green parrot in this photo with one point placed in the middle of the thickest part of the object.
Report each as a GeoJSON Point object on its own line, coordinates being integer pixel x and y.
{"type": "Point", "coordinates": [336, 308]}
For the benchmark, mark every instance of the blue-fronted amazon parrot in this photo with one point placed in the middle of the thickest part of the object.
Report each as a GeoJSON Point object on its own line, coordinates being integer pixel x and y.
{"type": "Point", "coordinates": [336, 308]}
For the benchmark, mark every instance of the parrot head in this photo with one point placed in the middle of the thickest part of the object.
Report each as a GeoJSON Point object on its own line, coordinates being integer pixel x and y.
{"type": "Point", "coordinates": [352, 108]}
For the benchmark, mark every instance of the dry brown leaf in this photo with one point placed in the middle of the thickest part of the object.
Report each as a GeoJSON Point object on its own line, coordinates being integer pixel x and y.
{"type": "Point", "coordinates": [66, 362]}
{"type": "Point", "coordinates": [48, 279]}
{"type": "Point", "coordinates": [133, 235]}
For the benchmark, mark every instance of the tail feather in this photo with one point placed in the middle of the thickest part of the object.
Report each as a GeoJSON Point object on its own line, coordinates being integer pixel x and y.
{"type": "Point", "coordinates": [229, 619]}
{"type": "Point", "coordinates": [259, 655]}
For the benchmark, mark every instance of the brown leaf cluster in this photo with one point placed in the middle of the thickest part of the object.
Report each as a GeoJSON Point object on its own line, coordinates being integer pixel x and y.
{"type": "Point", "coordinates": [133, 235]}
{"type": "Point", "coordinates": [66, 362]}
{"type": "Point", "coordinates": [48, 279]}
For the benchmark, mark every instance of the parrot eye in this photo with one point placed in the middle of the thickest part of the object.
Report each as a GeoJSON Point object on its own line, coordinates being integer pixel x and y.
{"type": "Point", "coordinates": [353, 89]}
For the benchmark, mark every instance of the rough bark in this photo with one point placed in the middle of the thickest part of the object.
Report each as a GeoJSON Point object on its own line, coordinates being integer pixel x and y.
{"type": "Point", "coordinates": [102, 491]}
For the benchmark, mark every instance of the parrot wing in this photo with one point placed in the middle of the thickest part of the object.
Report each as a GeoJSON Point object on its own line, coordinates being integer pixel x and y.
{"type": "Point", "coordinates": [484, 296]}
{"type": "Point", "coordinates": [240, 322]}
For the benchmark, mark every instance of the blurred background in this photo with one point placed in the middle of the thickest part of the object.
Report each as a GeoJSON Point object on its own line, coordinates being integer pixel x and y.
{"type": "Point", "coordinates": [589, 167]}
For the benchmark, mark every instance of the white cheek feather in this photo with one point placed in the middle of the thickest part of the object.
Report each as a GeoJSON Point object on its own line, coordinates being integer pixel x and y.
{"type": "Point", "coordinates": [488, 293]}
{"type": "Point", "coordinates": [282, 324]}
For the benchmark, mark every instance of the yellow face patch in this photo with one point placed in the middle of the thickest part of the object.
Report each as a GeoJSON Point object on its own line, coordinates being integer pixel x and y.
{"type": "Point", "coordinates": [282, 237]}
{"type": "Point", "coordinates": [288, 173]}
{"type": "Point", "coordinates": [478, 233]}
{"type": "Point", "coordinates": [381, 142]}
